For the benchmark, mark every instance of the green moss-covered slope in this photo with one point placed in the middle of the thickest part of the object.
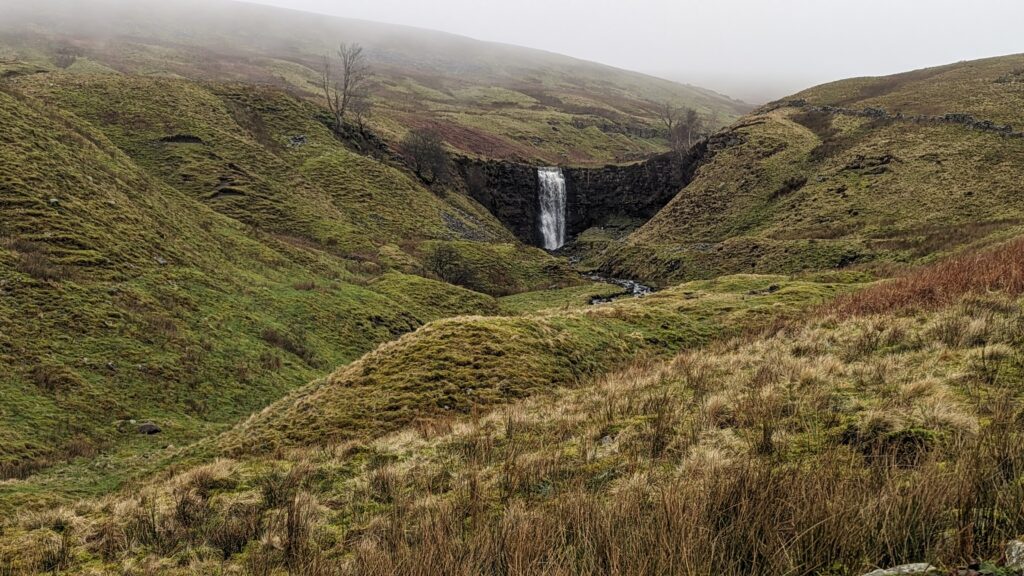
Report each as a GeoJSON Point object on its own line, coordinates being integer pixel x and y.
{"type": "Point", "coordinates": [165, 256]}
{"type": "Point", "coordinates": [881, 177]}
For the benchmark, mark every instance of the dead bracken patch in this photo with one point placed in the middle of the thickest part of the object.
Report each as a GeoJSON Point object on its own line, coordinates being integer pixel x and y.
{"type": "Point", "coordinates": [999, 269]}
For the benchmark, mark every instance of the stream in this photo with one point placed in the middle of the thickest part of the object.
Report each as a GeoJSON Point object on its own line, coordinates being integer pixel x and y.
{"type": "Point", "coordinates": [631, 289]}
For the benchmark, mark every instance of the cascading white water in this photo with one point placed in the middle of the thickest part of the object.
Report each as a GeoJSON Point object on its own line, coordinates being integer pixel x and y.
{"type": "Point", "coordinates": [552, 207]}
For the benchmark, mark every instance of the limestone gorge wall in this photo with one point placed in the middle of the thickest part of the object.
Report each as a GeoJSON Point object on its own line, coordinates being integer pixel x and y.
{"type": "Point", "coordinates": [510, 190]}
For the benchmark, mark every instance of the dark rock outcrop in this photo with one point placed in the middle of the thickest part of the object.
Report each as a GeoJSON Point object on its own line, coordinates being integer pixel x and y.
{"type": "Point", "coordinates": [182, 139]}
{"type": "Point", "coordinates": [635, 190]}
{"type": "Point", "coordinates": [510, 190]}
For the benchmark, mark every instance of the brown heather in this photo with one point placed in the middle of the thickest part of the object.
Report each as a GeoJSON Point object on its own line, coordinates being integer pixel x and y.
{"type": "Point", "coordinates": [999, 269]}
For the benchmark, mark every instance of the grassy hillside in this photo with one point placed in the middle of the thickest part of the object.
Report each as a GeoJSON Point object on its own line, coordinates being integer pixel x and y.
{"type": "Point", "coordinates": [353, 372]}
{"type": "Point", "coordinates": [845, 438]}
{"type": "Point", "coordinates": [231, 148]}
{"type": "Point", "coordinates": [988, 89]}
{"type": "Point", "coordinates": [266, 159]}
{"type": "Point", "coordinates": [462, 364]}
{"type": "Point", "coordinates": [865, 172]}
{"type": "Point", "coordinates": [488, 99]}
{"type": "Point", "coordinates": [166, 256]}
{"type": "Point", "coordinates": [447, 367]}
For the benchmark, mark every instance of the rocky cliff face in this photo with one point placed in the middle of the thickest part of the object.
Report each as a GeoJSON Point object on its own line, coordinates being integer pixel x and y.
{"type": "Point", "coordinates": [634, 190]}
{"type": "Point", "coordinates": [509, 190]}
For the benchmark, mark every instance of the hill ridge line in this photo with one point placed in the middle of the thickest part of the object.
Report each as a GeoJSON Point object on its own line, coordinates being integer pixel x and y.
{"type": "Point", "coordinates": [966, 120]}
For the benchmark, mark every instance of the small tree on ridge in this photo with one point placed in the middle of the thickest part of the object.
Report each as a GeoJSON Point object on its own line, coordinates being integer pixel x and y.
{"type": "Point", "coordinates": [348, 91]}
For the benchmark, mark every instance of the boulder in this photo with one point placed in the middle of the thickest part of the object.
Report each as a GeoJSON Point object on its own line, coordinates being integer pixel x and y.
{"type": "Point", "coordinates": [1015, 555]}
{"type": "Point", "coordinates": [918, 569]}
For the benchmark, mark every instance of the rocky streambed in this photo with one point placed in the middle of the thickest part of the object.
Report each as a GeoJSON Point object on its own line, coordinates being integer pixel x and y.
{"type": "Point", "coordinates": [630, 289]}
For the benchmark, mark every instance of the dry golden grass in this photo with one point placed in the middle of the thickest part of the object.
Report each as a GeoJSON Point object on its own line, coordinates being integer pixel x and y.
{"type": "Point", "coordinates": [824, 448]}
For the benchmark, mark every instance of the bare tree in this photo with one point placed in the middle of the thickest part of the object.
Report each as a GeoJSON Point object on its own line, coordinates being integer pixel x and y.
{"type": "Point", "coordinates": [668, 113]}
{"type": "Point", "coordinates": [423, 148]}
{"type": "Point", "coordinates": [693, 126]}
{"type": "Point", "coordinates": [673, 118]}
{"type": "Point", "coordinates": [448, 264]}
{"type": "Point", "coordinates": [350, 88]}
{"type": "Point", "coordinates": [683, 125]}
{"type": "Point", "coordinates": [713, 122]}
{"type": "Point", "coordinates": [362, 109]}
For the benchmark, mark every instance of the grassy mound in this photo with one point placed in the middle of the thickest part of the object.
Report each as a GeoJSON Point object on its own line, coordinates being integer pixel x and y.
{"type": "Point", "coordinates": [495, 268]}
{"type": "Point", "coordinates": [461, 364]}
{"type": "Point", "coordinates": [562, 298]}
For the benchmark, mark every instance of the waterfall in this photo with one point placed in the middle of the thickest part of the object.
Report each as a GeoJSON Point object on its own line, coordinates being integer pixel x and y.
{"type": "Point", "coordinates": [552, 207]}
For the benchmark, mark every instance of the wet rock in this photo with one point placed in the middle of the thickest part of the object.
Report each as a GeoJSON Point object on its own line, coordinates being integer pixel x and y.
{"type": "Point", "coordinates": [509, 190]}
{"type": "Point", "coordinates": [1014, 555]}
{"type": "Point", "coordinates": [918, 569]}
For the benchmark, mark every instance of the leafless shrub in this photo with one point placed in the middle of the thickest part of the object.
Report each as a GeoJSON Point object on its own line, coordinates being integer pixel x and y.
{"type": "Point", "coordinates": [449, 265]}
{"type": "Point", "coordinates": [423, 149]}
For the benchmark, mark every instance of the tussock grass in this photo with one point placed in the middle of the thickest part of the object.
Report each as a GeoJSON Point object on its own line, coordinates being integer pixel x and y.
{"type": "Point", "coordinates": [830, 446]}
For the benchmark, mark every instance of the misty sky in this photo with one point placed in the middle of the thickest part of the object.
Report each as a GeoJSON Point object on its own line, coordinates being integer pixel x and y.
{"type": "Point", "coordinates": [749, 49]}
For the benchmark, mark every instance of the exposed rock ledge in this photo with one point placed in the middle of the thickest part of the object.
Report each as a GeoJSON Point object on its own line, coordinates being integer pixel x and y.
{"type": "Point", "coordinates": [509, 190]}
